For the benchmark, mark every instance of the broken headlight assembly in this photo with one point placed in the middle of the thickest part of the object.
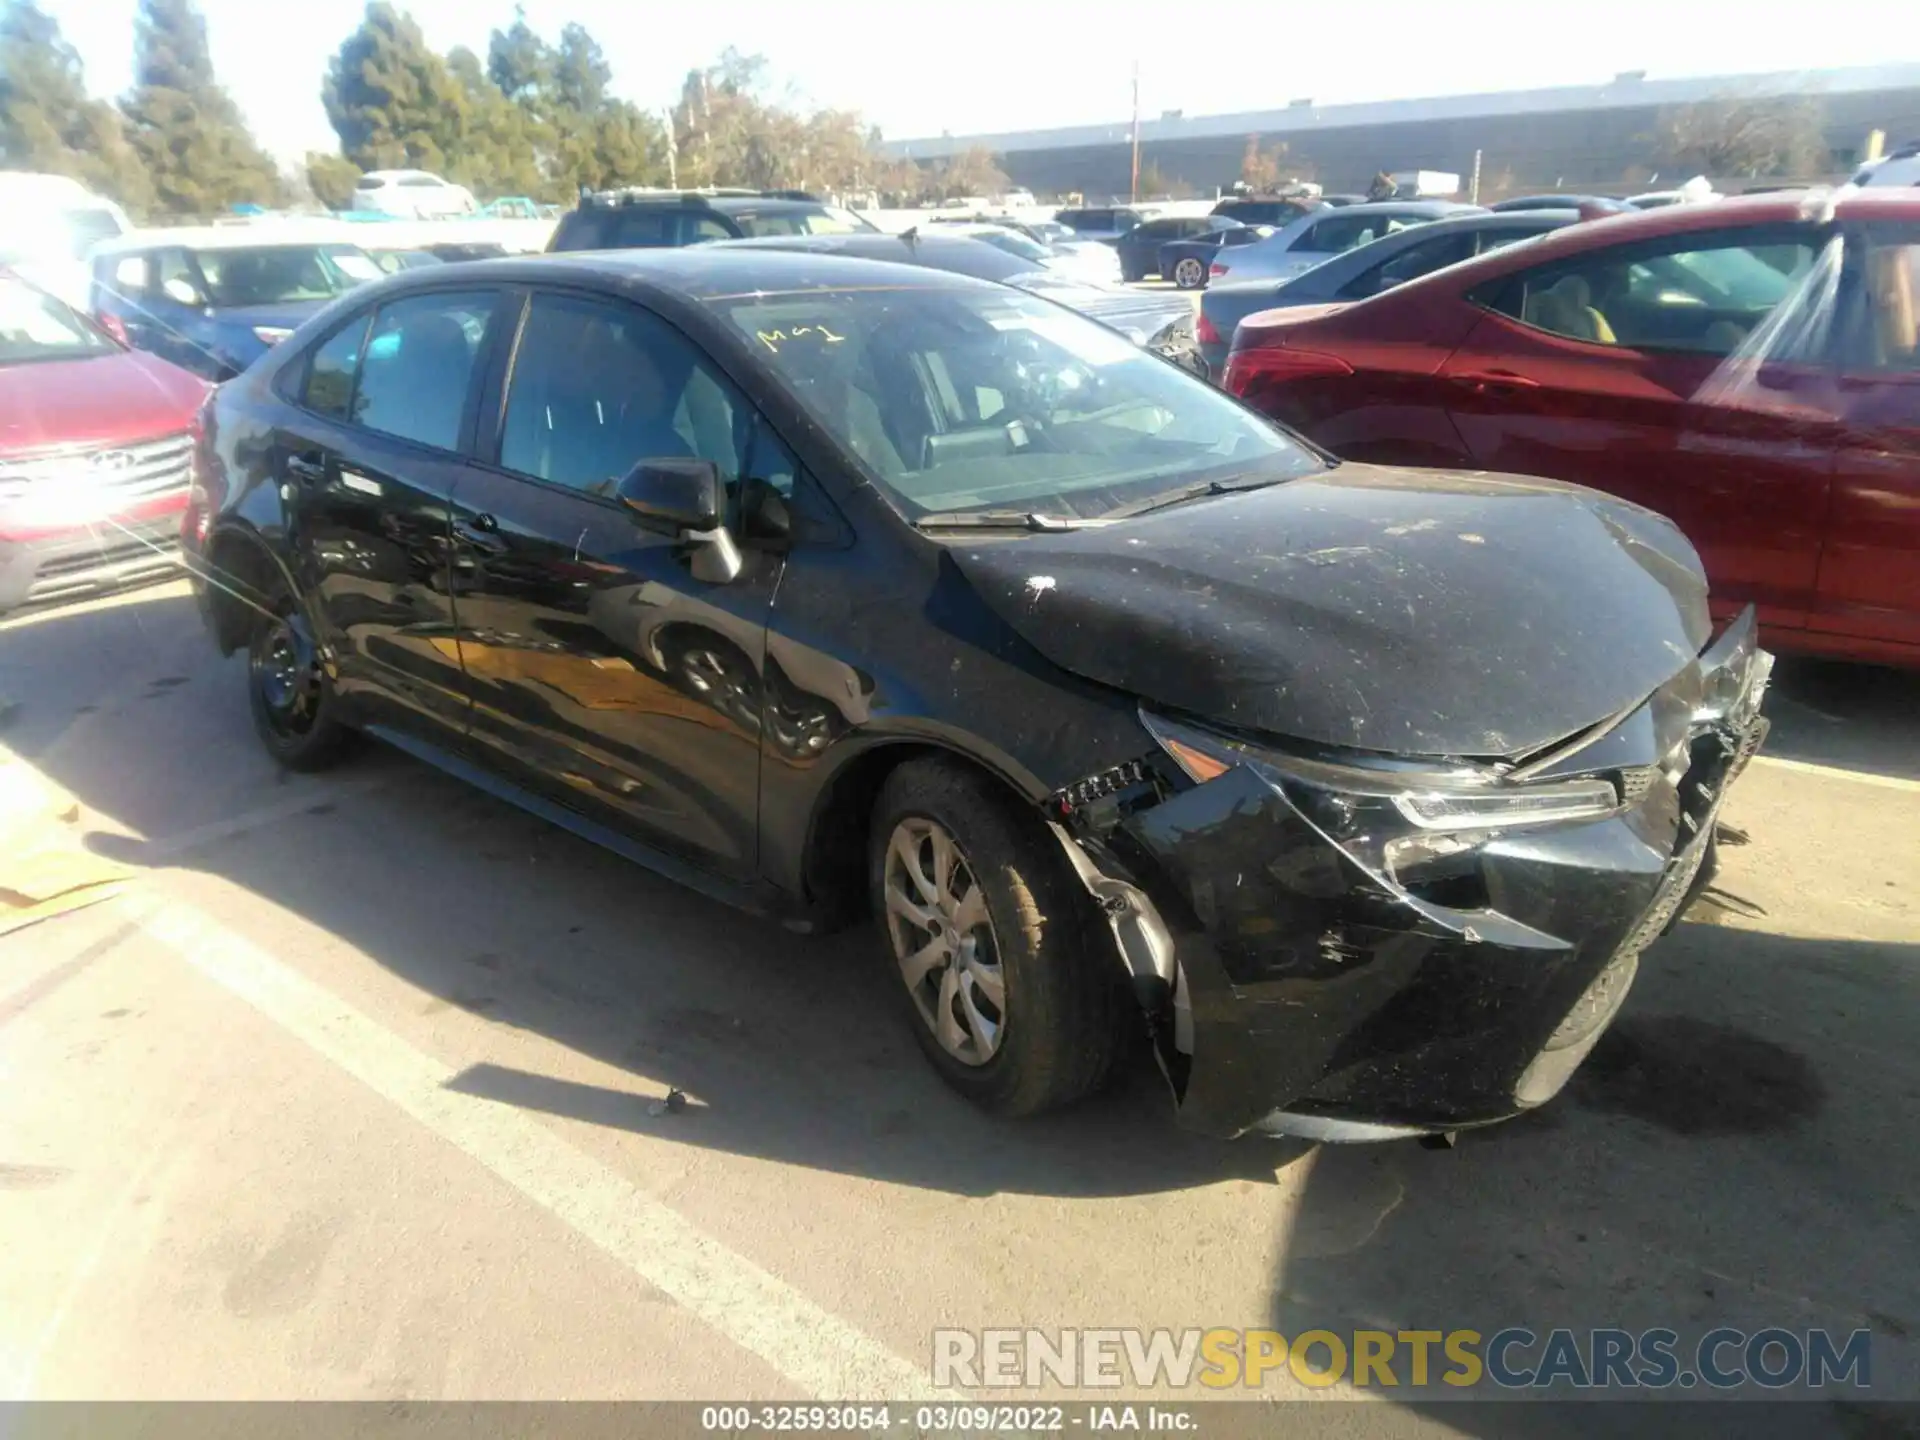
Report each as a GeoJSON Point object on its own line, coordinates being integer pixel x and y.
{"type": "Point", "coordinates": [1400, 820]}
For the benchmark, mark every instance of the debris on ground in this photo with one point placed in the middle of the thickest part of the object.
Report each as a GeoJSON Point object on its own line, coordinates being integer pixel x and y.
{"type": "Point", "coordinates": [673, 1104]}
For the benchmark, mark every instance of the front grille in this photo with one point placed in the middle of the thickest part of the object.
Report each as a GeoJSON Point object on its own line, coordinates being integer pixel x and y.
{"type": "Point", "coordinates": [122, 476]}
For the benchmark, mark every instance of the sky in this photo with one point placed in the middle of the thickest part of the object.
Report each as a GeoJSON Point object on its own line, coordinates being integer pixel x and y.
{"type": "Point", "coordinates": [967, 66]}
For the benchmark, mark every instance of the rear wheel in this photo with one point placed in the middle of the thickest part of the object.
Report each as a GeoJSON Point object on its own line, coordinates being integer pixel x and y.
{"type": "Point", "coordinates": [1006, 990]}
{"type": "Point", "coordinates": [1189, 274]}
{"type": "Point", "coordinates": [289, 692]}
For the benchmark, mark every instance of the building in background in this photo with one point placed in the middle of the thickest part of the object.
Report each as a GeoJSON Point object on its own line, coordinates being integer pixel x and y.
{"type": "Point", "coordinates": [1577, 137]}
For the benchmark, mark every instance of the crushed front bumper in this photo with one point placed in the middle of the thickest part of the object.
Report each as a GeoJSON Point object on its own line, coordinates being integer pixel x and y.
{"type": "Point", "coordinates": [1317, 995]}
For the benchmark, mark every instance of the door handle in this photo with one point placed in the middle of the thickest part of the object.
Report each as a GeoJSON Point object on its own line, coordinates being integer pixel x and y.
{"type": "Point", "coordinates": [481, 533]}
{"type": "Point", "coordinates": [306, 467]}
{"type": "Point", "coordinates": [1495, 380]}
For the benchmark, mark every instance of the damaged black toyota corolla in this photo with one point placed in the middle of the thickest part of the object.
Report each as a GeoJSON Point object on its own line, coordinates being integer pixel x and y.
{"type": "Point", "coordinates": [833, 587]}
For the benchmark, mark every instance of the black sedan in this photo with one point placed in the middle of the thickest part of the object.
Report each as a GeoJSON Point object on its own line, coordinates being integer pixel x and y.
{"type": "Point", "coordinates": [834, 587]}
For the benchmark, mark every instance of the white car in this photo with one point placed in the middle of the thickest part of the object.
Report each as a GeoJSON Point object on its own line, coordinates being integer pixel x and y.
{"type": "Point", "coordinates": [48, 225]}
{"type": "Point", "coordinates": [1321, 234]}
{"type": "Point", "coordinates": [1902, 167]}
{"type": "Point", "coordinates": [1087, 261]}
{"type": "Point", "coordinates": [411, 195]}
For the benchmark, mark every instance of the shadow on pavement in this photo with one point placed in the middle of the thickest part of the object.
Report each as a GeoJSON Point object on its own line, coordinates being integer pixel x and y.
{"type": "Point", "coordinates": [1749, 1116]}
{"type": "Point", "coordinates": [1855, 717]}
{"type": "Point", "coordinates": [1741, 1119]}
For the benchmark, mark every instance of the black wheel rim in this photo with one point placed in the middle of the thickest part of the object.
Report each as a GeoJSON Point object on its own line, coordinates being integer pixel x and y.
{"type": "Point", "coordinates": [286, 675]}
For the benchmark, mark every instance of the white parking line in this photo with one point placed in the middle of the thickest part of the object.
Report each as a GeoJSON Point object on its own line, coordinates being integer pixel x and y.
{"type": "Point", "coordinates": [1836, 772]}
{"type": "Point", "coordinates": [819, 1352]}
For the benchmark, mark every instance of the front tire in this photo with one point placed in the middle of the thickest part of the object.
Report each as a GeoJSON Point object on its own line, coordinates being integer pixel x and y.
{"type": "Point", "coordinates": [289, 693]}
{"type": "Point", "coordinates": [1189, 274]}
{"type": "Point", "coordinates": [985, 934]}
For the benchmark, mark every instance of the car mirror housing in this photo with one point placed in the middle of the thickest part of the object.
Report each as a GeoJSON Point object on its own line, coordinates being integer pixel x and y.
{"type": "Point", "coordinates": [673, 495]}
{"type": "Point", "coordinates": [686, 499]}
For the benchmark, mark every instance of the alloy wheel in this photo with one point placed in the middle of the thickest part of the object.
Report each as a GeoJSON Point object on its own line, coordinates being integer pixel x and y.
{"type": "Point", "coordinates": [1188, 274]}
{"type": "Point", "coordinates": [943, 940]}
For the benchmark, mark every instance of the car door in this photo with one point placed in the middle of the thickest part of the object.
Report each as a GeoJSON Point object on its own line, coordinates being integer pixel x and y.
{"type": "Point", "coordinates": [369, 456]}
{"type": "Point", "coordinates": [1869, 582]}
{"type": "Point", "coordinates": [1616, 368]}
{"type": "Point", "coordinates": [603, 672]}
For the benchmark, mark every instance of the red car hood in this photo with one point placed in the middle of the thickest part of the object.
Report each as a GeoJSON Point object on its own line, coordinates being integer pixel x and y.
{"type": "Point", "coordinates": [101, 400]}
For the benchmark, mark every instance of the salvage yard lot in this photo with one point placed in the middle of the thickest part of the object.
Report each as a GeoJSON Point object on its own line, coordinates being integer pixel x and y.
{"type": "Point", "coordinates": [349, 1093]}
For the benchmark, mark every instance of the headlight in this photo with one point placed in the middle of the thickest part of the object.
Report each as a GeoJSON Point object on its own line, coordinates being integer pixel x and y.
{"type": "Point", "coordinates": [271, 334]}
{"type": "Point", "coordinates": [1394, 818]}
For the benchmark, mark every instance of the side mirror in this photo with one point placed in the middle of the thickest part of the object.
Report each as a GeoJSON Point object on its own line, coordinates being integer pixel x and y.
{"type": "Point", "coordinates": [686, 499]}
{"type": "Point", "coordinates": [674, 494]}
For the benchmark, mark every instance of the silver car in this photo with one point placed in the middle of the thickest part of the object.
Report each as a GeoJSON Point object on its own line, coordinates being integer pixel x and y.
{"type": "Point", "coordinates": [1321, 234]}
{"type": "Point", "coordinates": [1405, 255]}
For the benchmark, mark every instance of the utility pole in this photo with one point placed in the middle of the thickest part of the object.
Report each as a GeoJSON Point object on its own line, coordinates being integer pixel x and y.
{"type": "Point", "coordinates": [1136, 131]}
{"type": "Point", "coordinates": [1473, 190]}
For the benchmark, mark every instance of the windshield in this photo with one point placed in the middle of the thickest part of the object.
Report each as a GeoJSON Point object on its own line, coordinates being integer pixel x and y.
{"type": "Point", "coordinates": [35, 326]}
{"type": "Point", "coordinates": [981, 399]}
{"type": "Point", "coordinates": [1014, 244]}
{"type": "Point", "coordinates": [827, 220]}
{"type": "Point", "coordinates": [283, 274]}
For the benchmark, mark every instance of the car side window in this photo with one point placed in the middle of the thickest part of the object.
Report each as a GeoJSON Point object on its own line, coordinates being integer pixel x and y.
{"type": "Point", "coordinates": [597, 388]}
{"type": "Point", "coordinates": [417, 367]}
{"type": "Point", "coordinates": [1410, 264]}
{"type": "Point", "coordinates": [696, 228]}
{"type": "Point", "coordinates": [175, 276]}
{"type": "Point", "coordinates": [332, 368]}
{"type": "Point", "coordinates": [132, 275]}
{"type": "Point", "coordinates": [1887, 335]}
{"type": "Point", "coordinates": [1703, 295]}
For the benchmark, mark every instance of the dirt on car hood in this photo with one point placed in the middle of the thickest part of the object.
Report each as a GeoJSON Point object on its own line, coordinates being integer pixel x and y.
{"type": "Point", "coordinates": [1415, 612]}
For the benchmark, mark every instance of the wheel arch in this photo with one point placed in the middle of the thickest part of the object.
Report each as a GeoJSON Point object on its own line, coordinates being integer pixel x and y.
{"type": "Point", "coordinates": [833, 857]}
{"type": "Point", "coordinates": [242, 569]}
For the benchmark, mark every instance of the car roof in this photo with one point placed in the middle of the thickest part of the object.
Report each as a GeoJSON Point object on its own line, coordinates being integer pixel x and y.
{"type": "Point", "coordinates": [700, 272]}
{"type": "Point", "coordinates": [232, 237]}
{"type": "Point", "coordinates": [927, 248]}
{"type": "Point", "coordinates": [1434, 208]}
{"type": "Point", "coordinates": [1472, 219]}
{"type": "Point", "coordinates": [1735, 212]}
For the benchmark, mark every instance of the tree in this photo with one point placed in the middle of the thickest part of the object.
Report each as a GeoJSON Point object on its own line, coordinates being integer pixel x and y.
{"type": "Point", "coordinates": [392, 101]}
{"type": "Point", "coordinates": [49, 123]}
{"type": "Point", "coordinates": [487, 135]}
{"type": "Point", "coordinates": [520, 62]}
{"type": "Point", "coordinates": [1262, 171]}
{"type": "Point", "coordinates": [331, 178]}
{"type": "Point", "coordinates": [1783, 137]}
{"type": "Point", "coordinates": [972, 172]}
{"type": "Point", "coordinates": [186, 129]}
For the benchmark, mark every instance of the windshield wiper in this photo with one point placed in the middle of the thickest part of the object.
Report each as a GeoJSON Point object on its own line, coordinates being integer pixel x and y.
{"type": "Point", "coordinates": [997, 520]}
{"type": "Point", "coordinates": [1193, 492]}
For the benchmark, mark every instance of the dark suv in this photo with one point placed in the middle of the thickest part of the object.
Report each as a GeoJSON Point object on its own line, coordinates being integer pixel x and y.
{"type": "Point", "coordinates": [658, 219]}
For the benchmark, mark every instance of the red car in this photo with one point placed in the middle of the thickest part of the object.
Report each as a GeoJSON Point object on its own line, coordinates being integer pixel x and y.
{"type": "Point", "coordinates": [94, 450]}
{"type": "Point", "coordinates": [1749, 368]}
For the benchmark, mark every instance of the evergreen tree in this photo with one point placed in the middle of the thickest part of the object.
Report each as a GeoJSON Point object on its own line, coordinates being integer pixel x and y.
{"type": "Point", "coordinates": [392, 101]}
{"type": "Point", "coordinates": [186, 129]}
{"type": "Point", "coordinates": [49, 123]}
{"type": "Point", "coordinates": [332, 179]}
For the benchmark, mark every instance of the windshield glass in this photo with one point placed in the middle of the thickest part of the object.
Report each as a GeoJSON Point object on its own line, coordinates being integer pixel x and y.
{"type": "Point", "coordinates": [827, 220]}
{"type": "Point", "coordinates": [982, 399]}
{"type": "Point", "coordinates": [282, 274]}
{"type": "Point", "coordinates": [1014, 244]}
{"type": "Point", "coordinates": [35, 326]}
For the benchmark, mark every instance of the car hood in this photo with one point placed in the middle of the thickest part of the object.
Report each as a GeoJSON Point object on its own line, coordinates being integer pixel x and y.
{"type": "Point", "coordinates": [101, 400]}
{"type": "Point", "coordinates": [1414, 612]}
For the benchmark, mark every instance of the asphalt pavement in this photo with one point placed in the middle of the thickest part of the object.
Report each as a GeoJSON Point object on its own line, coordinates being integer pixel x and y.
{"type": "Point", "coordinates": [352, 1090]}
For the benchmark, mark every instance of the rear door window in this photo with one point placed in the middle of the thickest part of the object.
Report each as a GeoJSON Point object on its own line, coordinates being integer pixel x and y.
{"type": "Point", "coordinates": [597, 388]}
{"type": "Point", "coordinates": [331, 371]}
{"type": "Point", "coordinates": [1703, 294]}
{"type": "Point", "coordinates": [418, 367]}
